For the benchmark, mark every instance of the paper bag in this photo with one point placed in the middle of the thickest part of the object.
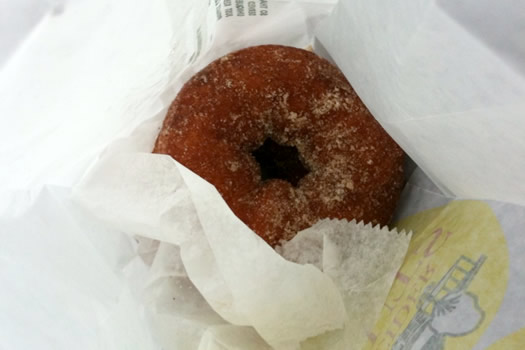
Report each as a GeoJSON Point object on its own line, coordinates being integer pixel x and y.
{"type": "Point", "coordinates": [447, 81]}
{"type": "Point", "coordinates": [93, 73]}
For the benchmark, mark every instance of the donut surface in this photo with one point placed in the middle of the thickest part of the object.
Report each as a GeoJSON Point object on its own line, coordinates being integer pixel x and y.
{"type": "Point", "coordinates": [287, 97]}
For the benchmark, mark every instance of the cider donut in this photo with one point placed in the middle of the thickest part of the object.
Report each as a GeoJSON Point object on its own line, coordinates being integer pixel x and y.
{"type": "Point", "coordinates": [286, 141]}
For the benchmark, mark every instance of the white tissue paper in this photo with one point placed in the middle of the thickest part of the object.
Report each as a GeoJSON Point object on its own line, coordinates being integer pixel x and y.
{"type": "Point", "coordinates": [358, 258]}
{"type": "Point", "coordinates": [242, 278]}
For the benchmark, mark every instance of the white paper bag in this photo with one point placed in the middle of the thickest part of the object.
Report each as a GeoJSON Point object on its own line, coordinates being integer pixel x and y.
{"type": "Point", "coordinates": [447, 80]}
{"type": "Point", "coordinates": [98, 69]}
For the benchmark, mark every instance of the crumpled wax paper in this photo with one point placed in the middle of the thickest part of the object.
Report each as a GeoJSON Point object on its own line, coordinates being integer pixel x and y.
{"type": "Point", "coordinates": [211, 270]}
{"type": "Point", "coordinates": [362, 260]}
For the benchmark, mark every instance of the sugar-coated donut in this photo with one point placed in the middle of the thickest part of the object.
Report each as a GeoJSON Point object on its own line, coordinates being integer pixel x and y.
{"type": "Point", "coordinates": [324, 155]}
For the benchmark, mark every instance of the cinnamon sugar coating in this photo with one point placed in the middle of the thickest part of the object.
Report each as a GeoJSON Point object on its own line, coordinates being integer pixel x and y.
{"type": "Point", "coordinates": [227, 110]}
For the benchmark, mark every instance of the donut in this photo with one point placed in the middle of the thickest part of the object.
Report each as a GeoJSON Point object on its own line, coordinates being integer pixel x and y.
{"type": "Point", "coordinates": [285, 140]}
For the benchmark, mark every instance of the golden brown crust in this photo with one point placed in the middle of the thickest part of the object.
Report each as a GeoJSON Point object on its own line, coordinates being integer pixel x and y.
{"type": "Point", "coordinates": [229, 108]}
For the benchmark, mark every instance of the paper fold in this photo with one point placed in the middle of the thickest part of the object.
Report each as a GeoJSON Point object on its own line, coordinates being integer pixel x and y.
{"type": "Point", "coordinates": [362, 261]}
{"type": "Point", "coordinates": [242, 278]}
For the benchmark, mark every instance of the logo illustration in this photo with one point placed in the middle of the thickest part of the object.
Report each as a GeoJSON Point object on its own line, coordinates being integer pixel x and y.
{"type": "Point", "coordinates": [445, 309]}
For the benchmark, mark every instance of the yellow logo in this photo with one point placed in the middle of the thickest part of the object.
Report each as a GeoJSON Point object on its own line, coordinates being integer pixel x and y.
{"type": "Point", "coordinates": [451, 284]}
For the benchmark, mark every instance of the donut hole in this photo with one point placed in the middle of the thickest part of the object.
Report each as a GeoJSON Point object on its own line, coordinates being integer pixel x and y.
{"type": "Point", "coordinates": [277, 161]}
